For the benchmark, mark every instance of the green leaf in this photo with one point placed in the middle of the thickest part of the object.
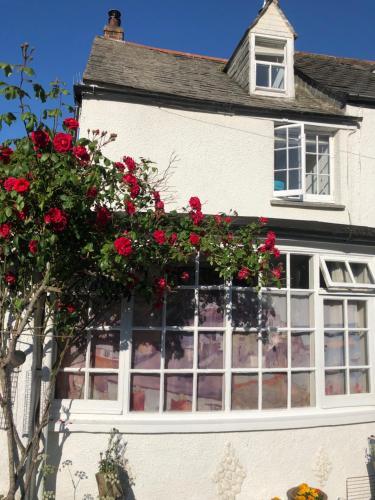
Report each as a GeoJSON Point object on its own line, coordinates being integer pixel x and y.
{"type": "Point", "coordinates": [7, 68]}
{"type": "Point", "coordinates": [8, 211]}
{"type": "Point", "coordinates": [28, 71]}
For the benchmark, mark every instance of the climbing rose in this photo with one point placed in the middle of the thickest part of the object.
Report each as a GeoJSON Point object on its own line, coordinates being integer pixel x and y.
{"type": "Point", "coordinates": [185, 276]}
{"type": "Point", "coordinates": [218, 219]}
{"type": "Point", "coordinates": [102, 216]}
{"type": "Point", "coordinates": [123, 246]}
{"type": "Point", "coordinates": [57, 218]}
{"type": "Point", "coordinates": [159, 205]}
{"type": "Point", "coordinates": [134, 192]}
{"type": "Point", "coordinates": [173, 238]}
{"type": "Point", "coordinates": [194, 239]}
{"type": "Point", "coordinates": [130, 207]}
{"type": "Point", "coordinates": [21, 185]}
{"type": "Point", "coordinates": [92, 192]}
{"type": "Point", "coordinates": [40, 139]}
{"type": "Point", "coordinates": [276, 273]}
{"type": "Point", "coordinates": [81, 153]}
{"type": "Point", "coordinates": [160, 284]}
{"type": "Point", "coordinates": [196, 217]}
{"type": "Point", "coordinates": [263, 221]}
{"type": "Point", "coordinates": [120, 166]}
{"type": "Point", "coordinates": [130, 179]}
{"type": "Point", "coordinates": [9, 183]}
{"type": "Point", "coordinates": [21, 214]}
{"type": "Point", "coordinates": [195, 203]}
{"type": "Point", "coordinates": [130, 163]}
{"type": "Point", "coordinates": [10, 278]}
{"type": "Point", "coordinates": [5, 230]}
{"type": "Point", "coordinates": [71, 123]}
{"type": "Point", "coordinates": [156, 196]}
{"type": "Point", "coordinates": [243, 273]}
{"type": "Point", "coordinates": [70, 308]}
{"type": "Point", "coordinates": [159, 236]}
{"type": "Point", "coordinates": [5, 154]}
{"type": "Point", "coordinates": [276, 253]}
{"type": "Point", "coordinates": [33, 246]}
{"type": "Point", "coordinates": [62, 142]}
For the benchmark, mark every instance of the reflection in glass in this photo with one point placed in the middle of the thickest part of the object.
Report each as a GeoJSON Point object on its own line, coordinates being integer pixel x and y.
{"type": "Point", "coordinates": [178, 392]}
{"type": "Point", "coordinates": [244, 350]}
{"type": "Point", "coordinates": [303, 389]}
{"type": "Point", "coordinates": [333, 313]}
{"type": "Point", "coordinates": [208, 276]}
{"type": "Point", "coordinates": [70, 386]}
{"type": "Point", "coordinates": [210, 350]}
{"type": "Point", "coordinates": [75, 357]}
{"type": "Point", "coordinates": [302, 350]}
{"type": "Point", "coordinates": [275, 391]}
{"type": "Point", "coordinates": [275, 351]}
{"type": "Point", "coordinates": [300, 271]}
{"type": "Point", "coordinates": [144, 393]}
{"type": "Point", "coordinates": [211, 308]}
{"type": "Point", "coordinates": [244, 391]}
{"type": "Point", "coordinates": [179, 350]}
{"type": "Point", "coordinates": [181, 308]}
{"type": "Point", "coordinates": [357, 314]}
{"type": "Point", "coordinates": [145, 313]}
{"type": "Point", "coordinates": [357, 348]}
{"type": "Point", "coordinates": [105, 350]}
{"type": "Point", "coordinates": [103, 387]}
{"type": "Point", "coordinates": [359, 381]}
{"type": "Point", "coordinates": [335, 382]}
{"type": "Point", "coordinates": [210, 393]}
{"type": "Point", "coordinates": [300, 311]}
{"type": "Point", "coordinates": [334, 351]}
{"type": "Point", "coordinates": [111, 316]}
{"type": "Point", "coordinates": [338, 272]}
{"type": "Point", "coordinates": [244, 309]}
{"type": "Point", "coordinates": [146, 350]}
{"type": "Point", "coordinates": [274, 310]}
{"type": "Point", "coordinates": [361, 273]}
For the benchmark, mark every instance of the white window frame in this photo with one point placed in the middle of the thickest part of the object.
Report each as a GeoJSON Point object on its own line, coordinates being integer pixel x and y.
{"type": "Point", "coordinates": [270, 66]}
{"type": "Point", "coordinates": [347, 261]}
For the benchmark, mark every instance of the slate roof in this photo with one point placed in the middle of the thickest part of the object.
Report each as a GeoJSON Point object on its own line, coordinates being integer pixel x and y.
{"type": "Point", "coordinates": [128, 66]}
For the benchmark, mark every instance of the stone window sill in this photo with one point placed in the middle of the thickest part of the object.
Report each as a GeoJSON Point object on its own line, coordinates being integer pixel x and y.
{"type": "Point", "coordinates": [317, 205]}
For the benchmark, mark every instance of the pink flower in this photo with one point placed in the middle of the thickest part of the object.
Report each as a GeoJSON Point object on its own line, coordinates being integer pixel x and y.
{"type": "Point", "coordinates": [195, 203]}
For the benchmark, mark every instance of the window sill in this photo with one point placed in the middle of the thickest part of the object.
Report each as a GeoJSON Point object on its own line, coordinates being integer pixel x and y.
{"type": "Point", "coordinates": [317, 205]}
{"type": "Point", "coordinates": [207, 423]}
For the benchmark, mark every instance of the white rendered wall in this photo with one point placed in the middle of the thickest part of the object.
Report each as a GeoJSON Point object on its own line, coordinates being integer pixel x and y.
{"type": "Point", "coordinates": [228, 160]}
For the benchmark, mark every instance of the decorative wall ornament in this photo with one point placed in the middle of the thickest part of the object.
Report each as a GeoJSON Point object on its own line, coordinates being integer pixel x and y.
{"type": "Point", "coordinates": [229, 475]}
{"type": "Point", "coordinates": [322, 466]}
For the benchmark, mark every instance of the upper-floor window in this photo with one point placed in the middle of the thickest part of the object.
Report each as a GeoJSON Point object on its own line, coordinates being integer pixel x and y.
{"type": "Point", "coordinates": [303, 162]}
{"type": "Point", "coordinates": [270, 57]}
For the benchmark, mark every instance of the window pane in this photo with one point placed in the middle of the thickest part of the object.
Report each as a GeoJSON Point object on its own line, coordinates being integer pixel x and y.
{"type": "Point", "coordinates": [311, 184]}
{"type": "Point", "coordinates": [245, 392]}
{"type": "Point", "coordinates": [324, 184]}
{"type": "Point", "coordinates": [109, 316]}
{"type": "Point", "coordinates": [210, 393]}
{"type": "Point", "coordinates": [358, 348]}
{"type": "Point", "coordinates": [244, 350]}
{"type": "Point", "coordinates": [145, 313]}
{"type": "Point", "coordinates": [274, 310]}
{"type": "Point", "coordinates": [70, 386]}
{"type": "Point", "coordinates": [361, 273]}
{"type": "Point", "coordinates": [211, 308]}
{"type": "Point", "coordinates": [277, 75]}
{"type": "Point", "coordinates": [280, 181]}
{"type": "Point", "coordinates": [300, 310]}
{"type": "Point", "coordinates": [323, 165]}
{"type": "Point", "coordinates": [245, 307]}
{"type": "Point", "coordinates": [323, 144]}
{"type": "Point", "coordinates": [105, 348]}
{"type": "Point", "coordinates": [75, 357]}
{"type": "Point", "coordinates": [335, 382]}
{"type": "Point", "coordinates": [300, 271]}
{"type": "Point", "coordinates": [294, 157]}
{"type": "Point", "coordinates": [334, 350]}
{"type": "Point", "coordinates": [357, 317]}
{"type": "Point", "coordinates": [176, 273]}
{"type": "Point", "coordinates": [144, 392]}
{"type": "Point", "coordinates": [294, 179]}
{"type": "Point", "coordinates": [263, 79]}
{"type": "Point", "coordinates": [179, 350]}
{"type": "Point", "coordinates": [280, 159]}
{"type": "Point", "coordinates": [208, 276]}
{"type": "Point", "coordinates": [103, 387]}
{"type": "Point", "coordinates": [181, 308]}
{"type": "Point", "coordinates": [311, 143]}
{"type": "Point", "coordinates": [275, 351]}
{"type": "Point", "coordinates": [210, 350]}
{"type": "Point", "coordinates": [333, 313]}
{"type": "Point", "coordinates": [303, 389]}
{"type": "Point", "coordinates": [302, 350]}
{"type": "Point", "coordinates": [338, 272]}
{"type": "Point", "coordinates": [359, 381]}
{"type": "Point", "coordinates": [146, 350]}
{"type": "Point", "coordinates": [275, 390]}
{"type": "Point", "coordinates": [178, 392]}
{"type": "Point", "coordinates": [311, 167]}
{"type": "Point", "coordinates": [280, 138]}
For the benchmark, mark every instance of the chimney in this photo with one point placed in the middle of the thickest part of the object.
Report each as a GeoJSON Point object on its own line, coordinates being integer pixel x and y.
{"type": "Point", "coordinates": [113, 28]}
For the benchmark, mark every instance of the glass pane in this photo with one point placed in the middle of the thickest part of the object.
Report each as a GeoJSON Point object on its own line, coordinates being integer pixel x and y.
{"type": "Point", "coordinates": [311, 164]}
{"type": "Point", "coordinates": [324, 144]}
{"type": "Point", "coordinates": [357, 317]}
{"type": "Point", "coordinates": [300, 271]}
{"type": "Point", "coordinates": [103, 387]}
{"type": "Point", "coordinates": [182, 274]}
{"type": "Point", "coordinates": [211, 308]}
{"type": "Point", "coordinates": [181, 308]}
{"type": "Point", "coordinates": [358, 348]}
{"type": "Point", "coordinates": [323, 165]}
{"type": "Point", "coordinates": [311, 184]}
{"type": "Point", "coordinates": [334, 350]}
{"type": "Point", "coordinates": [245, 309]}
{"type": "Point", "coordinates": [294, 137]}
{"type": "Point", "coordinates": [359, 382]}
{"type": "Point", "coordinates": [280, 180]}
{"type": "Point", "coordinates": [178, 392]}
{"type": "Point", "coordinates": [145, 313]}
{"type": "Point", "coordinates": [70, 386]}
{"type": "Point", "coordinates": [208, 276]}
{"type": "Point", "coordinates": [294, 156]}
{"type": "Point", "coordinates": [179, 350]}
{"type": "Point", "coordinates": [310, 143]}
{"type": "Point", "coordinates": [274, 310]}
{"type": "Point", "coordinates": [263, 79]}
{"type": "Point", "coordinates": [294, 179]}
{"type": "Point", "coordinates": [75, 357]}
{"type": "Point", "coordinates": [335, 382]}
{"type": "Point", "coordinates": [277, 75]}
{"type": "Point", "coordinates": [302, 350]}
{"type": "Point", "coordinates": [300, 310]}
{"type": "Point", "coordinates": [210, 393]}
{"type": "Point", "coordinates": [333, 313]}
{"type": "Point", "coordinates": [280, 138]}
{"type": "Point", "coordinates": [280, 159]}
{"type": "Point", "coordinates": [109, 316]}
{"type": "Point", "coordinates": [105, 348]}
{"type": "Point", "coordinates": [324, 185]}
{"type": "Point", "coordinates": [144, 393]}
{"type": "Point", "coordinates": [338, 272]}
{"type": "Point", "coordinates": [275, 390]}
{"type": "Point", "coordinates": [303, 389]}
{"type": "Point", "coordinates": [146, 350]}
{"type": "Point", "coordinates": [211, 350]}
{"type": "Point", "coordinates": [275, 351]}
{"type": "Point", "coordinates": [244, 392]}
{"type": "Point", "coordinates": [361, 273]}
{"type": "Point", "coordinates": [244, 350]}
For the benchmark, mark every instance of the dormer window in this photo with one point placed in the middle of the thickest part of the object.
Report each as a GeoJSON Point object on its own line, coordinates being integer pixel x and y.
{"type": "Point", "coordinates": [270, 60]}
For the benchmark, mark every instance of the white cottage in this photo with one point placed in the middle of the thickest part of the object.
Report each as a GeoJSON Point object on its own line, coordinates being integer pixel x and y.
{"type": "Point", "coordinates": [240, 412]}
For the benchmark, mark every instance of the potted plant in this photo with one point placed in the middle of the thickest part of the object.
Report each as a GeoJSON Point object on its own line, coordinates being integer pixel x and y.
{"type": "Point", "coordinates": [110, 466]}
{"type": "Point", "coordinates": [306, 492]}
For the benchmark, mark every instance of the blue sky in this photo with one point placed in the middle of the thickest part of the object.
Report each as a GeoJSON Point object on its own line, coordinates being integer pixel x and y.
{"type": "Point", "coordinates": [62, 32]}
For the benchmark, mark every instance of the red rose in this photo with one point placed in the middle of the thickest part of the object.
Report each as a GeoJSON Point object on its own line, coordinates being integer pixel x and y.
{"type": "Point", "coordinates": [71, 123]}
{"type": "Point", "coordinates": [270, 240]}
{"type": "Point", "coordinates": [160, 284]}
{"type": "Point", "coordinates": [70, 308]}
{"type": "Point", "coordinates": [21, 214]}
{"type": "Point", "coordinates": [5, 230]}
{"type": "Point", "coordinates": [130, 179]}
{"type": "Point", "coordinates": [276, 253]}
{"type": "Point", "coordinates": [21, 185]}
{"type": "Point", "coordinates": [92, 192]}
{"type": "Point", "coordinates": [9, 183]}
{"type": "Point", "coordinates": [263, 221]}
{"type": "Point", "coordinates": [218, 219]}
{"type": "Point", "coordinates": [156, 196]}
{"type": "Point", "coordinates": [135, 190]}
{"type": "Point", "coordinates": [196, 217]}
{"type": "Point", "coordinates": [5, 154]}
{"type": "Point", "coordinates": [33, 246]}
{"type": "Point", "coordinates": [276, 273]}
{"type": "Point", "coordinates": [159, 236]}
{"type": "Point", "coordinates": [130, 163]}
{"type": "Point", "coordinates": [120, 166]}
{"type": "Point", "coordinates": [227, 220]}
{"type": "Point", "coordinates": [130, 207]}
{"type": "Point", "coordinates": [195, 203]}
{"type": "Point", "coordinates": [185, 276]}
{"type": "Point", "coordinates": [159, 205]}
{"type": "Point", "coordinates": [103, 216]}
{"type": "Point", "coordinates": [173, 238]}
{"type": "Point", "coordinates": [62, 142]}
{"type": "Point", "coordinates": [194, 239]}
{"type": "Point", "coordinates": [40, 139]}
{"type": "Point", "coordinates": [81, 153]}
{"type": "Point", "coordinates": [123, 246]}
{"type": "Point", "coordinates": [56, 218]}
{"type": "Point", "coordinates": [10, 278]}
{"type": "Point", "coordinates": [243, 273]}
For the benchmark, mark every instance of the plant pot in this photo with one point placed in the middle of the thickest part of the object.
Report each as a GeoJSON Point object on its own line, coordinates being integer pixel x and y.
{"type": "Point", "coordinates": [293, 491]}
{"type": "Point", "coordinates": [107, 489]}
